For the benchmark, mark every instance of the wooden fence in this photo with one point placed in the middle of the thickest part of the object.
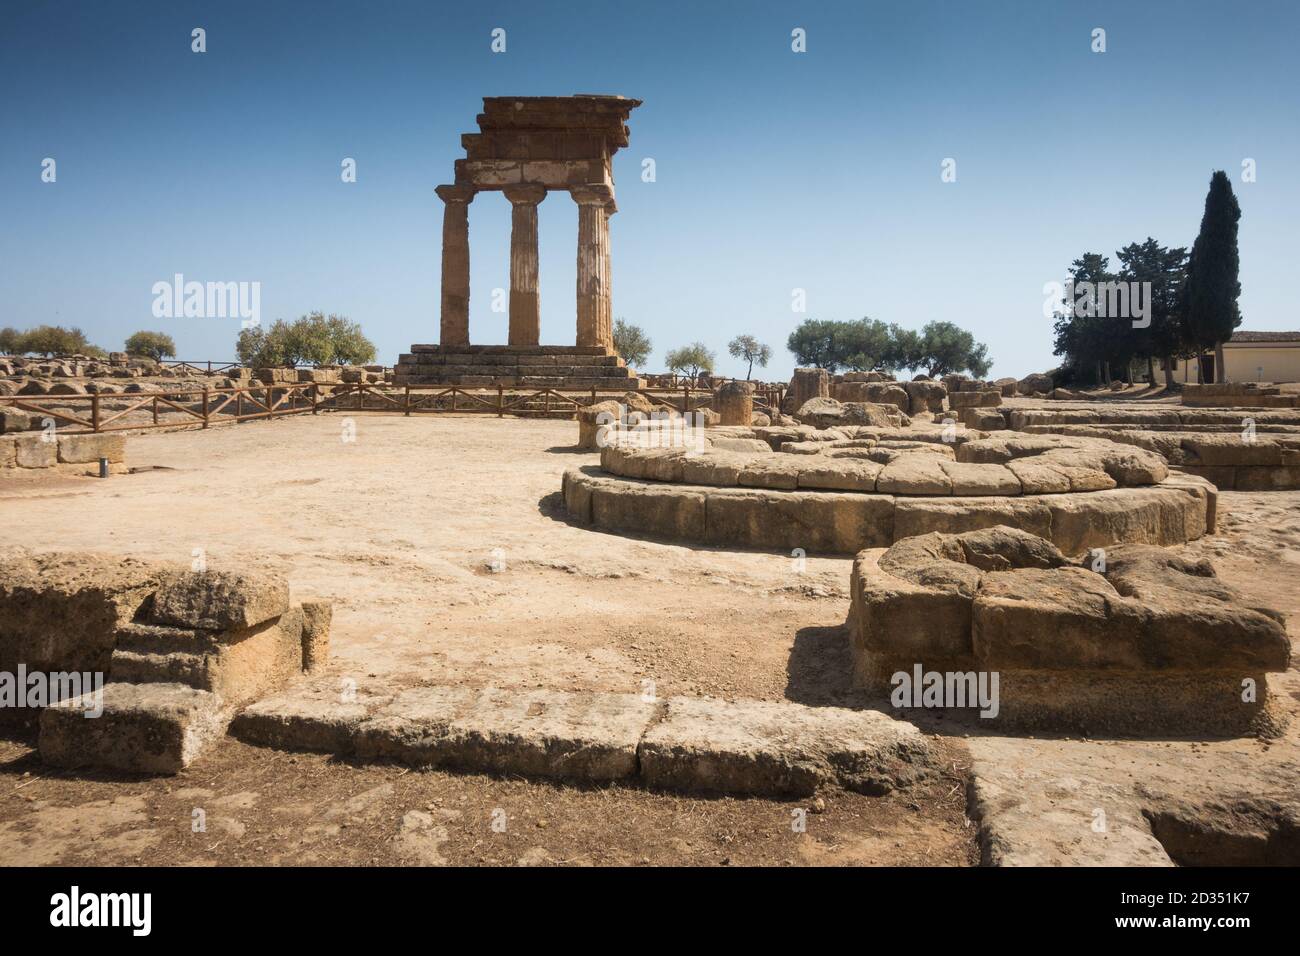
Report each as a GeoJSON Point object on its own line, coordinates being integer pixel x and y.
{"type": "Point", "coordinates": [175, 408]}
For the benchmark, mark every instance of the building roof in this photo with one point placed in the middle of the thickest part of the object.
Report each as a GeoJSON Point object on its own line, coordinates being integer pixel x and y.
{"type": "Point", "coordinates": [1241, 335]}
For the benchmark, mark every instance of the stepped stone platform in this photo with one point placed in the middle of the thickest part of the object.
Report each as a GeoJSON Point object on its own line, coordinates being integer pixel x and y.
{"type": "Point", "coordinates": [171, 654]}
{"type": "Point", "coordinates": [1239, 395]}
{"type": "Point", "coordinates": [1235, 460]}
{"type": "Point", "coordinates": [841, 490]}
{"type": "Point", "coordinates": [542, 366]}
{"type": "Point", "coordinates": [1134, 641]}
{"type": "Point", "coordinates": [1244, 450]}
{"type": "Point", "coordinates": [676, 743]}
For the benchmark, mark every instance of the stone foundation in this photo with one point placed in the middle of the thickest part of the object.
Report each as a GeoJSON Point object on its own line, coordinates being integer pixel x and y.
{"type": "Point", "coordinates": [176, 652]}
{"type": "Point", "coordinates": [696, 744]}
{"type": "Point", "coordinates": [1238, 395]}
{"type": "Point", "coordinates": [75, 454]}
{"type": "Point", "coordinates": [543, 366]}
{"type": "Point", "coordinates": [839, 491]}
{"type": "Point", "coordinates": [1149, 643]}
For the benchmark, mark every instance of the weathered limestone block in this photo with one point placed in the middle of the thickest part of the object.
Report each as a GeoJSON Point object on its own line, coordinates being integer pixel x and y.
{"type": "Point", "coordinates": [150, 728]}
{"type": "Point", "coordinates": [34, 451]}
{"type": "Point", "coordinates": [87, 449]}
{"type": "Point", "coordinates": [58, 612]}
{"type": "Point", "coordinates": [829, 413]}
{"type": "Point", "coordinates": [822, 522]}
{"type": "Point", "coordinates": [750, 445]}
{"type": "Point", "coordinates": [1038, 382]}
{"type": "Point", "coordinates": [317, 619]}
{"type": "Point", "coordinates": [925, 396]}
{"type": "Point", "coordinates": [16, 420]}
{"type": "Point", "coordinates": [1136, 639]}
{"type": "Point", "coordinates": [806, 383]}
{"type": "Point", "coordinates": [776, 748]}
{"type": "Point", "coordinates": [309, 717]}
{"type": "Point", "coordinates": [981, 419]}
{"type": "Point", "coordinates": [971, 479]}
{"type": "Point", "coordinates": [971, 399]}
{"type": "Point", "coordinates": [734, 403]}
{"type": "Point", "coordinates": [840, 474]}
{"type": "Point", "coordinates": [590, 422]}
{"type": "Point", "coordinates": [535, 733]}
{"type": "Point", "coordinates": [650, 509]}
{"type": "Point", "coordinates": [915, 516]}
{"type": "Point", "coordinates": [914, 475]}
{"type": "Point", "coordinates": [218, 600]}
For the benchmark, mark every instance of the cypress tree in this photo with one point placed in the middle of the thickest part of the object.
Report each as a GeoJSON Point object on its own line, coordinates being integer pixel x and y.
{"type": "Point", "coordinates": [1210, 303]}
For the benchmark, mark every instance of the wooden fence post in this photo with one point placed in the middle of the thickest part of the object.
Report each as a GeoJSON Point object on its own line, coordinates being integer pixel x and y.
{"type": "Point", "coordinates": [205, 406]}
{"type": "Point", "coordinates": [501, 410]}
{"type": "Point", "coordinates": [94, 412]}
{"type": "Point", "coordinates": [407, 402]}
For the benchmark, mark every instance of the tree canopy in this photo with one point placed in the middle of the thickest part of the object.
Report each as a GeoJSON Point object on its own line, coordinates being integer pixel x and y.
{"type": "Point", "coordinates": [870, 345]}
{"type": "Point", "coordinates": [631, 342]}
{"type": "Point", "coordinates": [1211, 310]}
{"type": "Point", "coordinates": [691, 359]}
{"type": "Point", "coordinates": [749, 349]}
{"type": "Point", "coordinates": [154, 345]}
{"type": "Point", "coordinates": [312, 339]}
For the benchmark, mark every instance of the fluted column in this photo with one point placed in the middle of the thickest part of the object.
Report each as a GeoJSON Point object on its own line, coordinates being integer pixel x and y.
{"type": "Point", "coordinates": [607, 324]}
{"type": "Point", "coordinates": [592, 264]}
{"type": "Point", "coordinates": [525, 308]}
{"type": "Point", "coordinates": [454, 315]}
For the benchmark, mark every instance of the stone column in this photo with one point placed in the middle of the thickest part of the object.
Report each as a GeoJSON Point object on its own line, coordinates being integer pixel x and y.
{"type": "Point", "coordinates": [592, 290]}
{"type": "Point", "coordinates": [607, 324]}
{"type": "Point", "coordinates": [734, 403]}
{"type": "Point", "coordinates": [454, 317]}
{"type": "Point", "coordinates": [525, 309]}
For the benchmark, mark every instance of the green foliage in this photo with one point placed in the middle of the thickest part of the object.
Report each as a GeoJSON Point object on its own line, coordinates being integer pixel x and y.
{"type": "Point", "coordinates": [313, 339]}
{"type": "Point", "coordinates": [751, 350]}
{"type": "Point", "coordinates": [154, 345]}
{"type": "Point", "coordinates": [52, 340]}
{"type": "Point", "coordinates": [691, 359]}
{"type": "Point", "coordinates": [815, 343]}
{"type": "Point", "coordinates": [871, 345]}
{"type": "Point", "coordinates": [1086, 339]}
{"type": "Point", "coordinates": [10, 340]}
{"type": "Point", "coordinates": [944, 348]}
{"type": "Point", "coordinates": [631, 342]}
{"type": "Point", "coordinates": [1212, 289]}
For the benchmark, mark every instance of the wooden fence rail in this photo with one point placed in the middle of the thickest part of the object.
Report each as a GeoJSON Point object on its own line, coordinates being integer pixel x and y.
{"type": "Point", "coordinates": [174, 408]}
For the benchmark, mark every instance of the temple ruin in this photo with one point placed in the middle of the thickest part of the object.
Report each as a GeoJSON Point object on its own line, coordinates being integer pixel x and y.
{"type": "Point", "coordinates": [526, 147]}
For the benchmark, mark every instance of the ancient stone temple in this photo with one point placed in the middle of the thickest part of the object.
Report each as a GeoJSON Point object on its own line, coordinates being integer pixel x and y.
{"type": "Point", "coordinates": [526, 147]}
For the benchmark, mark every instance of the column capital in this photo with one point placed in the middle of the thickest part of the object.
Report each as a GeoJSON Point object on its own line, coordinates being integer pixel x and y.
{"type": "Point", "coordinates": [526, 194]}
{"type": "Point", "coordinates": [594, 194]}
{"type": "Point", "coordinates": [451, 194]}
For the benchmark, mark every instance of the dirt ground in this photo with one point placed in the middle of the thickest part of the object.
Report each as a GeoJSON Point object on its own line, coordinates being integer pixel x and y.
{"type": "Point", "coordinates": [444, 545]}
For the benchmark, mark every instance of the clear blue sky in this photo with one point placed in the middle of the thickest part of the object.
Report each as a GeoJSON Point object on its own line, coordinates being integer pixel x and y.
{"type": "Point", "coordinates": [775, 170]}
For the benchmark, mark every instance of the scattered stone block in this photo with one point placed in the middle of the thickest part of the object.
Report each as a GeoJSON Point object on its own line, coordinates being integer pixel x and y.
{"type": "Point", "coordinates": [778, 749]}
{"type": "Point", "coordinates": [87, 449]}
{"type": "Point", "coordinates": [33, 451]}
{"type": "Point", "coordinates": [218, 600]}
{"type": "Point", "coordinates": [149, 728]}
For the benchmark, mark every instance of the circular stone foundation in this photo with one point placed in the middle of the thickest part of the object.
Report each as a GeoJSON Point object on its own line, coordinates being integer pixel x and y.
{"type": "Point", "coordinates": [842, 490]}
